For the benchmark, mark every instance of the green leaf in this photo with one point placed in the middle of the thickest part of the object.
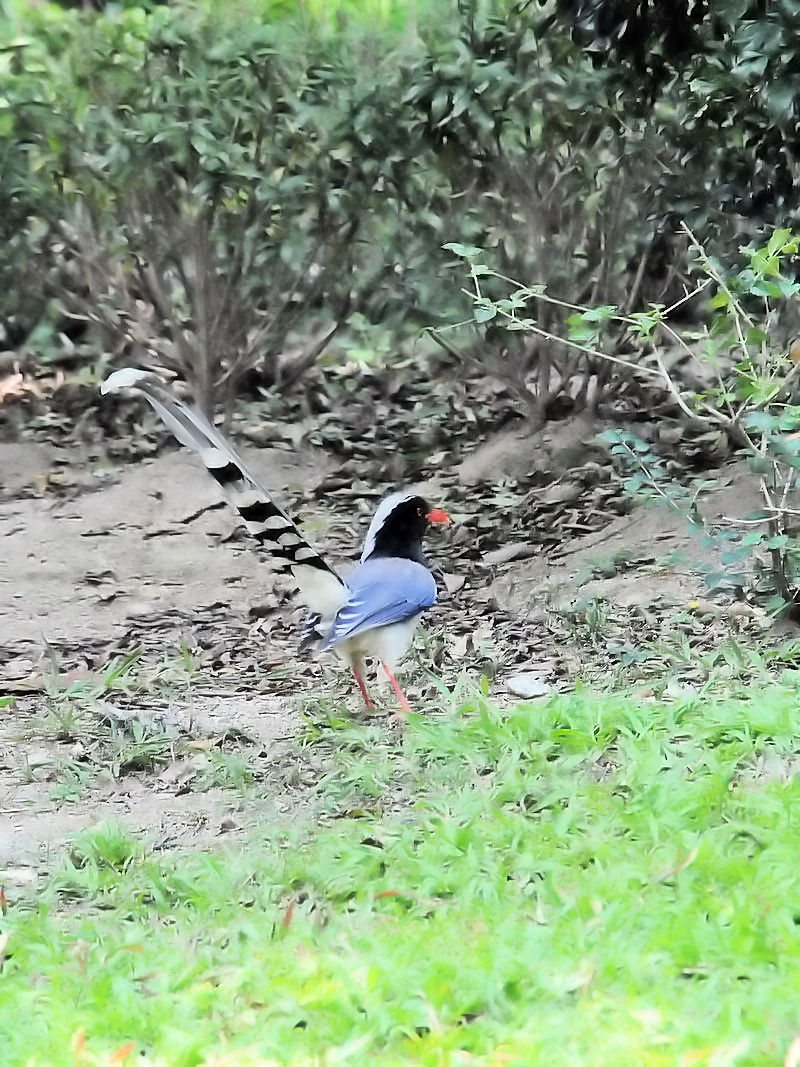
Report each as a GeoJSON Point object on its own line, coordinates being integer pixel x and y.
{"type": "Point", "coordinates": [756, 336]}
{"type": "Point", "coordinates": [464, 251]}
{"type": "Point", "coordinates": [644, 323]}
{"type": "Point", "coordinates": [763, 287]}
{"type": "Point", "coordinates": [780, 241]}
{"type": "Point", "coordinates": [778, 541]}
{"type": "Point", "coordinates": [754, 538]}
{"type": "Point", "coordinates": [762, 422]}
{"type": "Point", "coordinates": [599, 314]}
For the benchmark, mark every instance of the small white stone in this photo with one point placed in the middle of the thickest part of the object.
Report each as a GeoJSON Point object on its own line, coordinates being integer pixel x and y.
{"type": "Point", "coordinates": [528, 684]}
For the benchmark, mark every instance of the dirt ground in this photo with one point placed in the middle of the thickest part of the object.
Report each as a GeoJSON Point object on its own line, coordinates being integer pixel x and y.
{"type": "Point", "coordinates": [101, 558]}
{"type": "Point", "coordinates": [128, 558]}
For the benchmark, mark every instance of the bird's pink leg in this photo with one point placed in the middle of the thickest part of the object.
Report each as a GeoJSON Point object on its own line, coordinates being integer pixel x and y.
{"type": "Point", "coordinates": [401, 697]}
{"type": "Point", "coordinates": [359, 678]}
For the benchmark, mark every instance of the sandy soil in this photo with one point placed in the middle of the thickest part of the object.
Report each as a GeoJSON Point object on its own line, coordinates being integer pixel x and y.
{"type": "Point", "coordinates": [95, 562]}
{"type": "Point", "coordinates": [98, 559]}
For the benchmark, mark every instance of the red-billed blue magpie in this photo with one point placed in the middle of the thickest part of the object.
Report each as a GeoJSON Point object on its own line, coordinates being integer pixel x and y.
{"type": "Point", "coordinates": [369, 613]}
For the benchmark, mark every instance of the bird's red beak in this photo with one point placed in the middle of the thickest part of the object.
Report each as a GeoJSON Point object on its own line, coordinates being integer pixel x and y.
{"type": "Point", "coordinates": [437, 515]}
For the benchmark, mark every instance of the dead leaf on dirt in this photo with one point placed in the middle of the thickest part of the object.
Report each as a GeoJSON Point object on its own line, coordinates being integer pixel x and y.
{"type": "Point", "coordinates": [181, 772]}
{"type": "Point", "coordinates": [99, 577]}
{"type": "Point", "coordinates": [453, 582]}
{"type": "Point", "coordinates": [15, 386]}
{"type": "Point", "coordinates": [561, 493]}
{"type": "Point", "coordinates": [164, 531]}
{"type": "Point", "coordinates": [203, 744]}
{"type": "Point", "coordinates": [460, 646]}
{"type": "Point", "coordinates": [483, 632]}
{"type": "Point", "coordinates": [77, 674]}
{"type": "Point", "coordinates": [39, 682]}
{"type": "Point", "coordinates": [507, 553]}
{"type": "Point", "coordinates": [704, 607]}
{"type": "Point", "coordinates": [17, 670]}
{"type": "Point", "coordinates": [742, 610]}
{"type": "Point", "coordinates": [112, 594]}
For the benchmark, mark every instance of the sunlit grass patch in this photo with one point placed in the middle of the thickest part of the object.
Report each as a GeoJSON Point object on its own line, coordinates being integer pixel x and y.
{"type": "Point", "coordinates": [587, 879]}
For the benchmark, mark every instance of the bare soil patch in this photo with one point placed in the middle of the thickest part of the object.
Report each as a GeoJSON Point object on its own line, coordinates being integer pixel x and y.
{"type": "Point", "coordinates": [99, 558]}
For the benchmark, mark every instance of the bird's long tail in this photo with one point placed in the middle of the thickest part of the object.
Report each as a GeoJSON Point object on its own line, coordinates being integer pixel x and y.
{"type": "Point", "coordinates": [288, 550]}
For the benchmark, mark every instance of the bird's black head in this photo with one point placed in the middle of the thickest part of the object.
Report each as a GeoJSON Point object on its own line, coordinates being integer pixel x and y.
{"type": "Point", "coordinates": [398, 527]}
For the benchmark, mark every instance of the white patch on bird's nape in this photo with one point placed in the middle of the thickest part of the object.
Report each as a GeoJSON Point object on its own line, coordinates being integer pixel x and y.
{"type": "Point", "coordinates": [385, 509]}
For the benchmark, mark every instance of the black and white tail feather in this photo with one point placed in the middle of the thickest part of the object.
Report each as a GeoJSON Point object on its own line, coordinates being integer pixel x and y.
{"type": "Point", "coordinates": [370, 615]}
{"type": "Point", "coordinates": [288, 551]}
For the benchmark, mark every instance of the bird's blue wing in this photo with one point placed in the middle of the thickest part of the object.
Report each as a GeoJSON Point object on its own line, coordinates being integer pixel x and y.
{"type": "Point", "coordinates": [382, 591]}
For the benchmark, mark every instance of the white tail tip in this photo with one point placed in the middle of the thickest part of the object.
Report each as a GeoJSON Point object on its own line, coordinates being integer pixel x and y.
{"type": "Point", "coordinates": [123, 379]}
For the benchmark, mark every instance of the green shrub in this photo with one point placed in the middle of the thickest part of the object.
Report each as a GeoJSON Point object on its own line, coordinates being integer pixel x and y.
{"type": "Point", "coordinates": [747, 344]}
{"type": "Point", "coordinates": [218, 190]}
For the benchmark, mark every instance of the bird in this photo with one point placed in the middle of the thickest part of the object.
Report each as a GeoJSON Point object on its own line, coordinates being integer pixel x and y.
{"type": "Point", "coordinates": [370, 612]}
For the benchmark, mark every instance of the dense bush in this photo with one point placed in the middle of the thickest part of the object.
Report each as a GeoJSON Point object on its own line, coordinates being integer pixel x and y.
{"type": "Point", "coordinates": [219, 192]}
{"type": "Point", "coordinates": [213, 194]}
{"type": "Point", "coordinates": [730, 70]}
{"type": "Point", "coordinates": [30, 125]}
{"type": "Point", "coordinates": [593, 129]}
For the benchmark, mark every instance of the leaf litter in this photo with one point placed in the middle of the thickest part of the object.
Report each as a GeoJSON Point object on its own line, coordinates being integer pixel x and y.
{"type": "Point", "coordinates": [115, 541]}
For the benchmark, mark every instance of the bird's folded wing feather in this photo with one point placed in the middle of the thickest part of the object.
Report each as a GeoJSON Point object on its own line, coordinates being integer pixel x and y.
{"type": "Point", "coordinates": [288, 550]}
{"type": "Point", "coordinates": [393, 591]}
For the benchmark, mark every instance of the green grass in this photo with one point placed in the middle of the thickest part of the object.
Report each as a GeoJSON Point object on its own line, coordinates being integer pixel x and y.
{"type": "Point", "coordinates": [590, 880]}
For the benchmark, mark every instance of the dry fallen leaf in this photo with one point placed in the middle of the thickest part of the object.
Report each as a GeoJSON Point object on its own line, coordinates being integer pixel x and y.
{"type": "Point", "coordinates": [122, 1053]}
{"type": "Point", "coordinates": [12, 386]}
{"type": "Point", "coordinates": [18, 384]}
{"type": "Point", "coordinates": [459, 646]}
{"type": "Point", "coordinates": [453, 582]}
